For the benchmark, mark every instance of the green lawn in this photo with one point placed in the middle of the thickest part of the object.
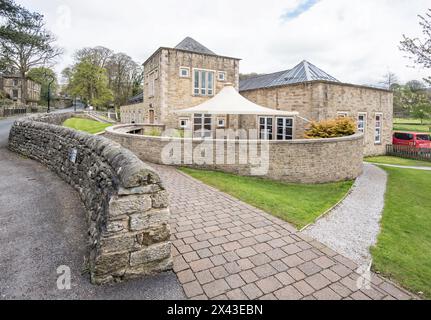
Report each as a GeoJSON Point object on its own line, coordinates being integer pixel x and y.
{"type": "Point", "coordinates": [403, 251]}
{"type": "Point", "coordinates": [412, 125]}
{"type": "Point", "coordinates": [398, 161]}
{"type": "Point", "coordinates": [295, 203]}
{"type": "Point", "coordinates": [410, 121]}
{"type": "Point", "coordinates": [86, 125]}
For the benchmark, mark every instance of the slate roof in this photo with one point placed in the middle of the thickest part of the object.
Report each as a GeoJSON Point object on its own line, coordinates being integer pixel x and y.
{"type": "Point", "coordinates": [303, 72]}
{"type": "Point", "coordinates": [189, 44]}
{"type": "Point", "coordinates": [137, 99]}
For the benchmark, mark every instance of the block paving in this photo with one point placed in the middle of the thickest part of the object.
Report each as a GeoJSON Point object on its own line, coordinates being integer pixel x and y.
{"type": "Point", "coordinates": [226, 249]}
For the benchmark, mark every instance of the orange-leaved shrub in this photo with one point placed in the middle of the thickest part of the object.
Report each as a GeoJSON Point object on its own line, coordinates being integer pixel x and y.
{"type": "Point", "coordinates": [339, 127]}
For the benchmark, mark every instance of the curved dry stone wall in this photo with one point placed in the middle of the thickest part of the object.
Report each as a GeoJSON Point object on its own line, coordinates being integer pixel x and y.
{"type": "Point", "coordinates": [126, 202]}
{"type": "Point", "coordinates": [297, 161]}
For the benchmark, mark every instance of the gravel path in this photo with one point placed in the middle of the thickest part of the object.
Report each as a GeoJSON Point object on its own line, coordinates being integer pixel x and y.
{"type": "Point", "coordinates": [352, 227]}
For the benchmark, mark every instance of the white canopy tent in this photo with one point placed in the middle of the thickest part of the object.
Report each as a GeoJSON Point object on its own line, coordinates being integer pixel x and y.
{"type": "Point", "coordinates": [229, 102]}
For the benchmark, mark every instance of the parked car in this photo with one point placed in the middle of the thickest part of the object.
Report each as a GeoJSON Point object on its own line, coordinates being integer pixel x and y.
{"type": "Point", "coordinates": [416, 140]}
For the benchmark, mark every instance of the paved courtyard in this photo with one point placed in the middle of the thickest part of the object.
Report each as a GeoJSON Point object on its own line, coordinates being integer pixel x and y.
{"type": "Point", "coordinates": [226, 249]}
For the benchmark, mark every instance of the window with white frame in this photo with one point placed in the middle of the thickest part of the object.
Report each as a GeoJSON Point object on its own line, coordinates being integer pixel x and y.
{"type": "Point", "coordinates": [379, 127]}
{"type": "Point", "coordinates": [342, 114]}
{"type": "Point", "coordinates": [184, 72]}
{"type": "Point", "coordinates": [362, 122]}
{"type": "Point", "coordinates": [203, 82]}
{"type": "Point", "coordinates": [202, 125]}
{"type": "Point", "coordinates": [184, 123]}
{"type": "Point", "coordinates": [221, 76]}
{"type": "Point", "coordinates": [221, 122]}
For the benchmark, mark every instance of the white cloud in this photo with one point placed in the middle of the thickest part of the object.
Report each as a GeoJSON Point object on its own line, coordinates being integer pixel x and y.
{"type": "Point", "coordinates": [355, 41]}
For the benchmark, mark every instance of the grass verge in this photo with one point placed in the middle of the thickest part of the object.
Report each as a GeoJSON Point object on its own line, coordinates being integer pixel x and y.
{"type": "Point", "coordinates": [86, 125]}
{"type": "Point", "coordinates": [403, 251]}
{"type": "Point", "coordinates": [298, 204]}
{"type": "Point", "coordinates": [412, 125]}
{"type": "Point", "coordinates": [398, 161]}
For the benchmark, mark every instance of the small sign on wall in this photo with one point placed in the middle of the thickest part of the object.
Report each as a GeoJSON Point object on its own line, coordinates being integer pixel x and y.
{"type": "Point", "coordinates": [73, 153]}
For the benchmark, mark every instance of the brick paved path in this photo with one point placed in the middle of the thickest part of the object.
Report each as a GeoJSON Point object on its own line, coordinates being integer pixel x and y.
{"type": "Point", "coordinates": [226, 249]}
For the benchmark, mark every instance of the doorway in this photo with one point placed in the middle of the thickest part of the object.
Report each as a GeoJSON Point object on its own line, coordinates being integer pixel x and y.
{"type": "Point", "coordinates": [284, 128]}
{"type": "Point", "coordinates": [266, 128]}
{"type": "Point", "coordinates": [151, 116]}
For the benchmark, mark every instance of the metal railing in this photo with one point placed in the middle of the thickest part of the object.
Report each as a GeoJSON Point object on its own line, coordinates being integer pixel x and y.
{"type": "Point", "coordinates": [408, 152]}
{"type": "Point", "coordinates": [8, 112]}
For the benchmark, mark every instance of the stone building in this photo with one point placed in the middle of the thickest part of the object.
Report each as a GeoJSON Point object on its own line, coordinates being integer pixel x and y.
{"type": "Point", "coordinates": [178, 78]}
{"type": "Point", "coordinates": [189, 74]}
{"type": "Point", "coordinates": [318, 96]}
{"type": "Point", "coordinates": [12, 86]}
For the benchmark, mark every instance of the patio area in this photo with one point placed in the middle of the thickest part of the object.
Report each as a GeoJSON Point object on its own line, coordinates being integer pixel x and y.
{"type": "Point", "coordinates": [226, 249]}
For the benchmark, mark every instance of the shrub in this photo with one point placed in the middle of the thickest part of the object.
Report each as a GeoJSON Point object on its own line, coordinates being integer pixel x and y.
{"type": "Point", "coordinates": [334, 128]}
{"type": "Point", "coordinates": [178, 133]}
{"type": "Point", "coordinates": [154, 133]}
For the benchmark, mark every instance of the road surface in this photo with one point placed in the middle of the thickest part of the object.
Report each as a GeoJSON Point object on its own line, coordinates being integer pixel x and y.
{"type": "Point", "coordinates": [42, 227]}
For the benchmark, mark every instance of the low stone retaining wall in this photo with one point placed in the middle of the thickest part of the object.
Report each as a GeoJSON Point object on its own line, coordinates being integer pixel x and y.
{"type": "Point", "coordinates": [298, 161]}
{"type": "Point", "coordinates": [126, 202]}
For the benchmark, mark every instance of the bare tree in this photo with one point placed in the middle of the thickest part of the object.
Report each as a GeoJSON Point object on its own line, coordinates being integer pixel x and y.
{"type": "Point", "coordinates": [419, 50]}
{"type": "Point", "coordinates": [122, 73]}
{"type": "Point", "coordinates": [98, 56]}
{"type": "Point", "coordinates": [389, 80]}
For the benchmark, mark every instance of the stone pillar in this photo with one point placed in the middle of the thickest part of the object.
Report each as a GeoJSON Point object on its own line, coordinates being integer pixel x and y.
{"type": "Point", "coordinates": [136, 240]}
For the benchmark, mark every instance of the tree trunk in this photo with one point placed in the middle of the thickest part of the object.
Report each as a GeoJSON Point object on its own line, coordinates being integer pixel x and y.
{"type": "Point", "coordinates": [23, 88]}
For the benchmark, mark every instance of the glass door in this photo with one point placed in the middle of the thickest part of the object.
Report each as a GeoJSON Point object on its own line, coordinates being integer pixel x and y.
{"type": "Point", "coordinates": [284, 128]}
{"type": "Point", "coordinates": [266, 128]}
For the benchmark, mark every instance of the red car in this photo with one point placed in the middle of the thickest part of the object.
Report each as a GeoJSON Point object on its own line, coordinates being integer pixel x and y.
{"type": "Point", "coordinates": [417, 140]}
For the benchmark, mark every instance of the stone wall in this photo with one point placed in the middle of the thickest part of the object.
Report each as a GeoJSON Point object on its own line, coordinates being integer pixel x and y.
{"type": "Point", "coordinates": [299, 161]}
{"type": "Point", "coordinates": [322, 100]}
{"type": "Point", "coordinates": [133, 113]}
{"type": "Point", "coordinates": [126, 202]}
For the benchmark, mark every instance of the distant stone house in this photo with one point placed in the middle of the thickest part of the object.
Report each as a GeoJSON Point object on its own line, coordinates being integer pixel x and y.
{"type": "Point", "coordinates": [189, 74]}
{"type": "Point", "coordinates": [12, 86]}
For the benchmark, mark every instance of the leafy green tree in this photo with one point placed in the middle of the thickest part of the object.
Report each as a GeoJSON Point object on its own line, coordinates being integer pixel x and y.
{"type": "Point", "coordinates": [416, 86]}
{"type": "Point", "coordinates": [421, 109]}
{"type": "Point", "coordinates": [245, 76]}
{"type": "Point", "coordinates": [44, 76]}
{"type": "Point", "coordinates": [124, 75]}
{"type": "Point", "coordinates": [90, 82]}
{"type": "Point", "coordinates": [410, 101]}
{"type": "Point", "coordinates": [25, 43]}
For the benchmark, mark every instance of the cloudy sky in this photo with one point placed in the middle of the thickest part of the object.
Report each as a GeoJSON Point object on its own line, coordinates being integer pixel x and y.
{"type": "Point", "coordinates": [354, 40]}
